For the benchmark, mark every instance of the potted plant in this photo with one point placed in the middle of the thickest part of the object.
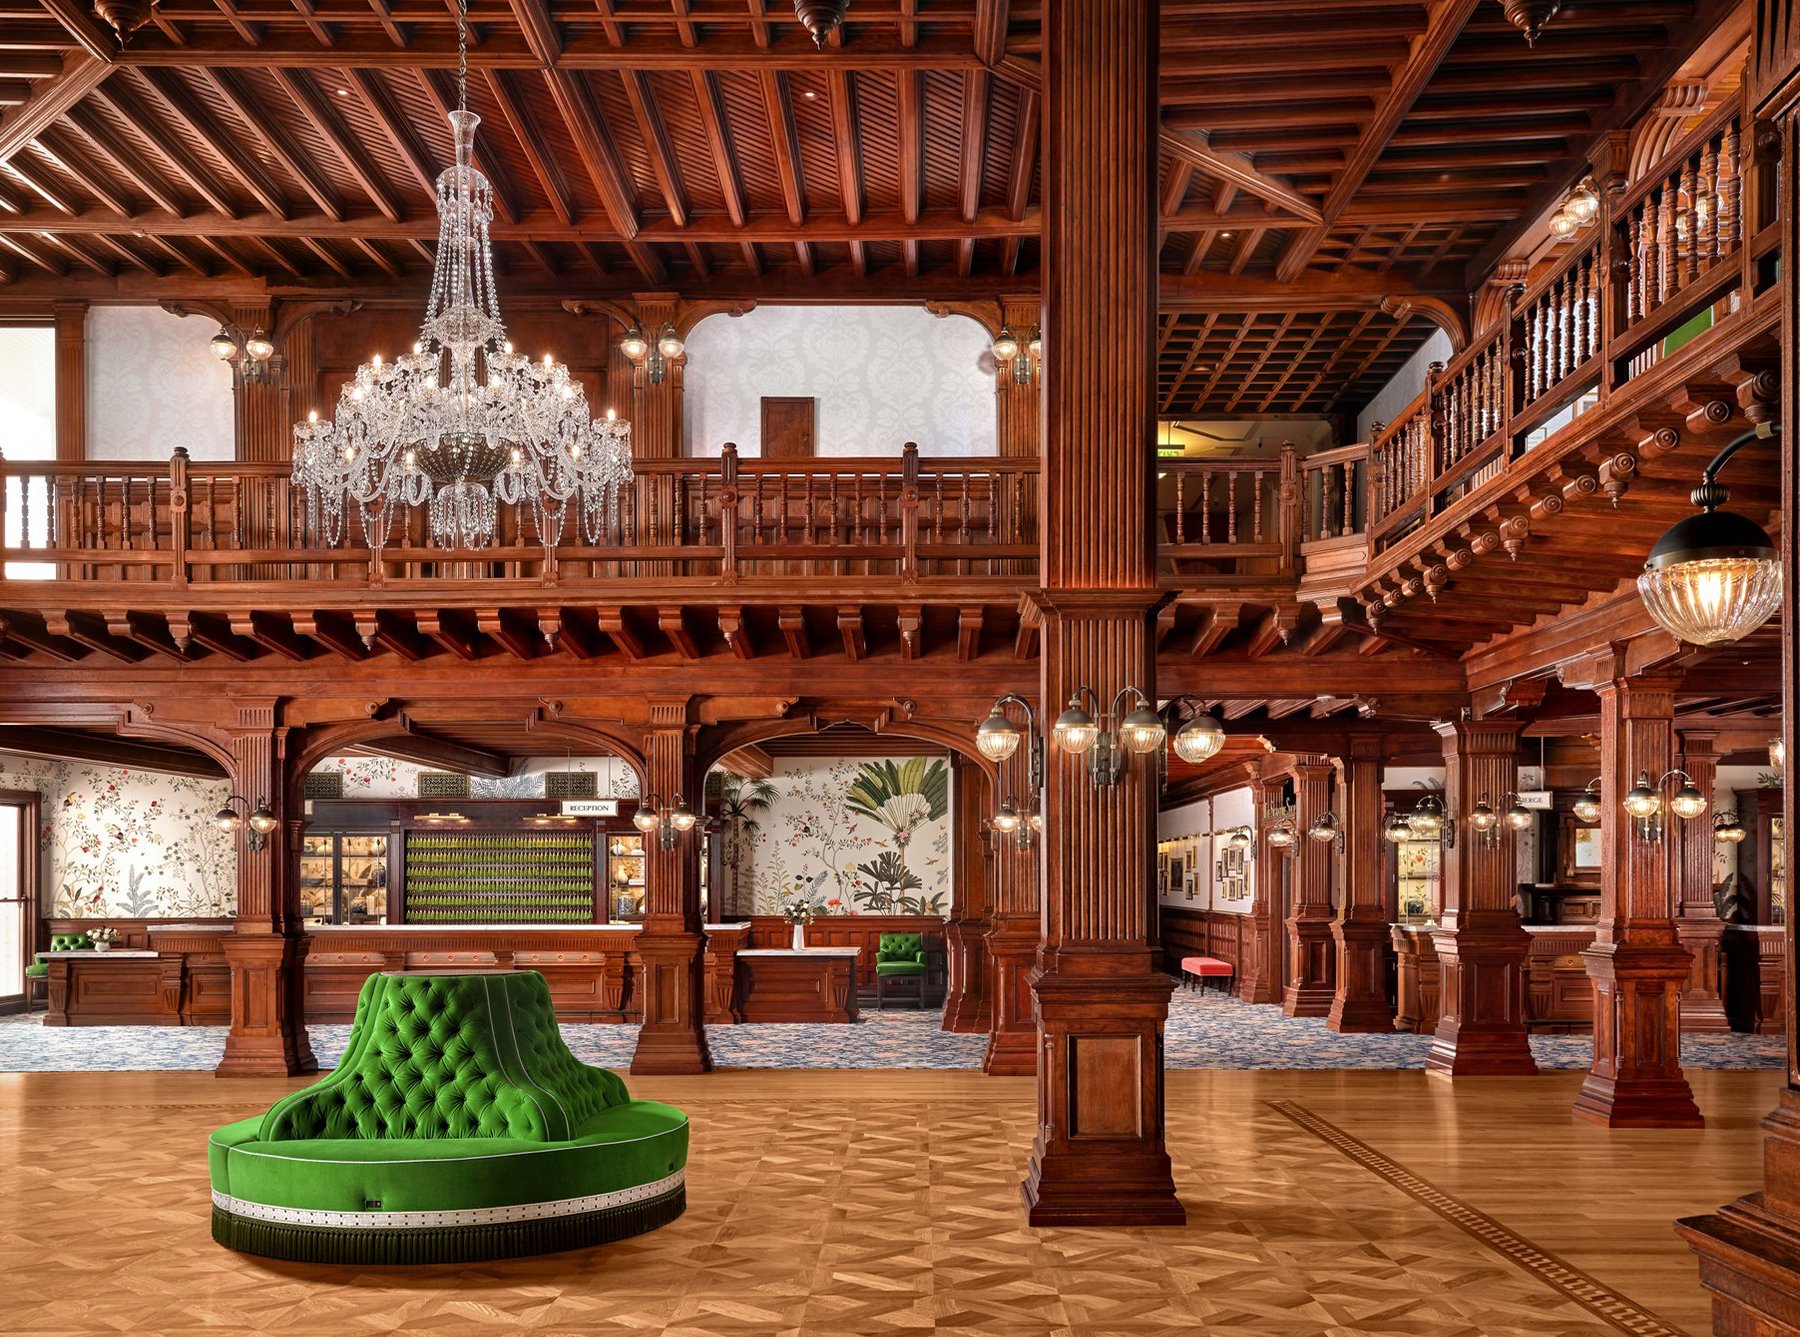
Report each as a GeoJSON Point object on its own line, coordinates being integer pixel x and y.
{"type": "Point", "coordinates": [798, 912]}
{"type": "Point", "coordinates": [103, 937]}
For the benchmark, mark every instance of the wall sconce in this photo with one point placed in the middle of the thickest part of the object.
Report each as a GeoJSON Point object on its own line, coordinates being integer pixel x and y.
{"type": "Point", "coordinates": [1728, 830]}
{"type": "Point", "coordinates": [1429, 821]}
{"type": "Point", "coordinates": [1326, 829]}
{"type": "Point", "coordinates": [1716, 576]}
{"type": "Point", "coordinates": [1200, 737]}
{"type": "Point", "coordinates": [261, 820]}
{"type": "Point", "coordinates": [1280, 829]}
{"type": "Point", "coordinates": [1023, 827]}
{"type": "Point", "coordinates": [1518, 816]}
{"type": "Point", "coordinates": [669, 823]}
{"type": "Point", "coordinates": [1587, 803]}
{"type": "Point", "coordinates": [1396, 828]}
{"type": "Point", "coordinates": [249, 356]}
{"type": "Point", "coordinates": [1778, 756]}
{"type": "Point", "coordinates": [1486, 822]}
{"type": "Point", "coordinates": [1579, 208]}
{"type": "Point", "coordinates": [1022, 356]}
{"type": "Point", "coordinates": [1242, 839]}
{"type": "Point", "coordinates": [1138, 732]}
{"type": "Point", "coordinates": [997, 738]}
{"type": "Point", "coordinates": [1644, 802]}
{"type": "Point", "coordinates": [654, 357]}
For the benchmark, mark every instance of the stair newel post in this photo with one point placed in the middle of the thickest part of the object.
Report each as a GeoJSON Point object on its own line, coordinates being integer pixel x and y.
{"type": "Point", "coordinates": [1288, 501]}
{"type": "Point", "coordinates": [728, 512]}
{"type": "Point", "coordinates": [179, 537]}
{"type": "Point", "coordinates": [909, 511]}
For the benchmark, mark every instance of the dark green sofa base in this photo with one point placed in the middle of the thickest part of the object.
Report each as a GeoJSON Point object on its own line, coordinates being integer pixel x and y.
{"type": "Point", "coordinates": [384, 1245]}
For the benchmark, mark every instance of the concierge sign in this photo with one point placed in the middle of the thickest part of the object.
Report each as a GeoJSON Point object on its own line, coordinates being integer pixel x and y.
{"type": "Point", "coordinates": [590, 807]}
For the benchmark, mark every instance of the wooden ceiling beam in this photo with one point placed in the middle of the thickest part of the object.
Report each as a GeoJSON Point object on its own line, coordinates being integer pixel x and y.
{"type": "Point", "coordinates": [329, 127]}
{"type": "Point", "coordinates": [86, 173]}
{"type": "Point", "coordinates": [1195, 147]}
{"type": "Point", "coordinates": [1409, 82]}
{"type": "Point", "coordinates": [88, 124]}
{"type": "Point", "coordinates": [655, 133]}
{"type": "Point", "coordinates": [81, 75]}
{"type": "Point", "coordinates": [531, 142]}
{"type": "Point", "coordinates": [280, 143]}
{"type": "Point", "coordinates": [1027, 126]}
{"type": "Point", "coordinates": [718, 141]}
{"type": "Point", "coordinates": [106, 750]}
{"type": "Point", "coordinates": [398, 129]}
{"type": "Point", "coordinates": [438, 754]}
{"type": "Point", "coordinates": [175, 95]}
{"type": "Point", "coordinates": [974, 145]}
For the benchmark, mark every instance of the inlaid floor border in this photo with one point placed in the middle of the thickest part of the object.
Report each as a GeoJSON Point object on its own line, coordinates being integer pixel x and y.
{"type": "Point", "coordinates": [1599, 1300]}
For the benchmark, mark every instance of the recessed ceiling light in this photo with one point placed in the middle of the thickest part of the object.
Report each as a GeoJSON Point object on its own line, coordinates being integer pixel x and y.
{"type": "Point", "coordinates": [343, 92]}
{"type": "Point", "coordinates": [809, 95]}
{"type": "Point", "coordinates": [1226, 235]}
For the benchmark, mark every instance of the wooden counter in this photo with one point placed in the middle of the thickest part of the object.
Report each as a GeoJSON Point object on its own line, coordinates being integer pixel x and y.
{"type": "Point", "coordinates": [782, 985]}
{"type": "Point", "coordinates": [112, 988]}
{"type": "Point", "coordinates": [589, 966]}
{"type": "Point", "coordinates": [1755, 958]}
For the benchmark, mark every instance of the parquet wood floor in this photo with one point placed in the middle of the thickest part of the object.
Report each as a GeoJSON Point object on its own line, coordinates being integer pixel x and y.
{"type": "Point", "coordinates": [826, 1204]}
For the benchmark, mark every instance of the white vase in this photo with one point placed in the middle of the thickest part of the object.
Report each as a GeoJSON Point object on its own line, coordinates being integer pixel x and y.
{"type": "Point", "coordinates": [799, 937]}
{"type": "Point", "coordinates": [103, 947]}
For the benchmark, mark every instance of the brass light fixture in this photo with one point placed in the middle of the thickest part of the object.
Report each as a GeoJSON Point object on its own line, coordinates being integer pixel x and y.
{"type": "Point", "coordinates": [997, 738]}
{"type": "Point", "coordinates": [1103, 742]}
{"type": "Point", "coordinates": [1778, 755]}
{"type": "Point", "coordinates": [249, 355]}
{"type": "Point", "coordinates": [1643, 802]}
{"type": "Point", "coordinates": [1716, 576]}
{"type": "Point", "coordinates": [1587, 803]}
{"type": "Point", "coordinates": [1021, 355]}
{"type": "Point", "coordinates": [1530, 16]}
{"type": "Point", "coordinates": [669, 823]}
{"type": "Point", "coordinates": [1397, 828]}
{"type": "Point", "coordinates": [260, 819]}
{"type": "Point", "coordinates": [656, 356]}
{"type": "Point", "coordinates": [1728, 830]}
{"type": "Point", "coordinates": [1579, 208]}
{"type": "Point", "coordinates": [1429, 820]}
{"type": "Point", "coordinates": [1326, 828]}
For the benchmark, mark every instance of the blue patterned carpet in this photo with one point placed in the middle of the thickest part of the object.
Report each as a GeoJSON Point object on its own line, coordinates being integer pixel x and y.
{"type": "Point", "coordinates": [1205, 1030]}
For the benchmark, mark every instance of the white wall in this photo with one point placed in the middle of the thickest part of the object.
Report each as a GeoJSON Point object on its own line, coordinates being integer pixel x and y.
{"type": "Point", "coordinates": [28, 393]}
{"type": "Point", "coordinates": [154, 384]}
{"type": "Point", "coordinates": [1405, 386]}
{"type": "Point", "coordinates": [883, 376]}
{"type": "Point", "coordinates": [1200, 829]}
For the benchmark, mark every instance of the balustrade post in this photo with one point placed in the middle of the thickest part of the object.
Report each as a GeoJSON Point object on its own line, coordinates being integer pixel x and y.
{"type": "Point", "coordinates": [178, 515]}
{"type": "Point", "coordinates": [909, 511]}
{"type": "Point", "coordinates": [728, 512]}
{"type": "Point", "coordinates": [1437, 434]}
{"type": "Point", "coordinates": [1517, 353]}
{"type": "Point", "coordinates": [1288, 500]}
{"type": "Point", "coordinates": [1607, 162]}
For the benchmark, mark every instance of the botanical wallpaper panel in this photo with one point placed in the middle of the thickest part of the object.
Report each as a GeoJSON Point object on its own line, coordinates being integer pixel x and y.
{"type": "Point", "coordinates": [154, 384]}
{"type": "Point", "coordinates": [389, 777]}
{"type": "Point", "coordinates": [129, 844]}
{"type": "Point", "coordinates": [883, 376]}
{"type": "Point", "coordinates": [851, 836]}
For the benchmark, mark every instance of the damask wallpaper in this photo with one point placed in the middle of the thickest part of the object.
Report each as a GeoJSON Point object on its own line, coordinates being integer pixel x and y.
{"type": "Point", "coordinates": [862, 836]}
{"type": "Point", "coordinates": [883, 376]}
{"type": "Point", "coordinates": [154, 384]}
{"type": "Point", "coordinates": [389, 777]}
{"type": "Point", "coordinates": [130, 844]}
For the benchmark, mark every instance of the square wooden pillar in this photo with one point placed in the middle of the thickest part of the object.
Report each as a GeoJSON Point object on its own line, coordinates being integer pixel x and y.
{"type": "Point", "coordinates": [966, 1004]}
{"type": "Point", "coordinates": [1260, 974]}
{"type": "Point", "coordinates": [1101, 1000]}
{"type": "Point", "coordinates": [1697, 922]}
{"type": "Point", "coordinates": [1482, 946]}
{"type": "Point", "coordinates": [1012, 937]}
{"type": "Point", "coordinates": [1637, 963]}
{"type": "Point", "coordinates": [1360, 933]}
{"type": "Point", "coordinates": [670, 984]}
{"type": "Point", "coordinates": [1312, 958]}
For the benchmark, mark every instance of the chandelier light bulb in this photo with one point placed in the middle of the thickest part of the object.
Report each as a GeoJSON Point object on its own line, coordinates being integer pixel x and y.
{"type": "Point", "coordinates": [1642, 800]}
{"type": "Point", "coordinates": [998, 737]}
{"type": "Point", "coordinates": [1075, 730]}
{"type": "Point", "coordinates": [1142, 731]}
{"type": "Point", "coordinates": [1199, 739]}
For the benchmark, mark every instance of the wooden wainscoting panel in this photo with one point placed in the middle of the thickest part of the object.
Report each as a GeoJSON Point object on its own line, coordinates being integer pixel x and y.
{"type": "Point", "coordinates": [1105, 1074]}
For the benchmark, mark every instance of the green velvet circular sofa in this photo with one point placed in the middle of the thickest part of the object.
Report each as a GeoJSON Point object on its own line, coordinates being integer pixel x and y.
{"type": "Point", "coordinates": [458, 1127]}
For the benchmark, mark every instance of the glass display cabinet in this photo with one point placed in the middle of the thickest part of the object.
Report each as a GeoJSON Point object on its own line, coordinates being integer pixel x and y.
{"type": "Point", "coordinates": [625, 878]}
{"type": "Point", "coordinates": [344, 879]}
{"type": "Point", "coordinates": [1418, 867]}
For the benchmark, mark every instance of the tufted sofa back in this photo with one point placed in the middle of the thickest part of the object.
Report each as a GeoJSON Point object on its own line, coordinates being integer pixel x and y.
{"type": "Point", "coordinates": [70, 942]}
{"type": "Point", "coordinates": [450, 1056]}
{"type": "Point", "coordinates": [900, 947]}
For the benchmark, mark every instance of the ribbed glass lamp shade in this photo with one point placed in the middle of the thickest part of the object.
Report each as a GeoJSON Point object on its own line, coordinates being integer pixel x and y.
{"type": "Point", "coordinates": [1688, 802]}
{"type": "Point", "coordinates": [1397, 828]}
{"type": "Point", "coordinates": [1142, 731]}
{"type": "Point", "coordinates": [998, 737]}
{"type": "Point", "coordinates": [1778, 755]}
{"type": "Point", "coordinates": [1518, 817]}
{"type": "Point", "coordinates": [682, 819]}
{"type": "Point", "coordinates": [1075, 730]}
{"type": "Point", "coordinates": [1587, 806]}
{"type": "Point", "coordinates": [227, 820]}
{"type": "Point", "coordinates": [1713, 577]}
{"type": "Point", "coordinates": [1483, 817]}
{"type": "Point", "coordinates": [1006, 345]}
{"type": "Point", "coordinates": [1324, 828]}
{"type": "Point", "coordinates": [647, 818]}
{"type": "Point", "coordinates": [1727, 830]}
{"type": "Point", "coordinates": [1280, 837]}
{"type": "Point", "coordinates": [1007, 819]}
{"type": "Point", "coordinates": [1240, 838]}
{"type": "Point", "coordinates": [634, 345]}
{"type": "Point", "coordinates": [1199, 739]}
{"type": "Point", "coordinates": [262, 819]}
{"type": "Point", "coordinates": [1642, 800]}
{"type": "Point", "coordinates": [1428, 818]}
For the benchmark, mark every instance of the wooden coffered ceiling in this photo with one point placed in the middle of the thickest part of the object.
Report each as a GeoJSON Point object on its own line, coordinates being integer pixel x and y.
{"type": "Point", "coordinates": [1337, 174]}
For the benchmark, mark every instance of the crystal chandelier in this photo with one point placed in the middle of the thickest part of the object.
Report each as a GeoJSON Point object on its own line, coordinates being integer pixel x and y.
{"type": "Point", "coordinates": [463, 421]}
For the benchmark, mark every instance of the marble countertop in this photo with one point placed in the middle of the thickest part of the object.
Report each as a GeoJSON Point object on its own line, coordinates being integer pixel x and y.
{"type": "Point", "coordinates": [810, 951]}
{"type": "Point", "coordinates": [111, 954]}
{"type": "Point", "coordinates": [476, 928]}
{"type": "Point", "coordinates": [745, 923]}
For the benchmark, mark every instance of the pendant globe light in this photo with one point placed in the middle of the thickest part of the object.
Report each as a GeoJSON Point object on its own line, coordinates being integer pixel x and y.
{"type": "Point", "coordinates": [1714, 577]}
{"type": "Point", "coordinates": [463, 422]}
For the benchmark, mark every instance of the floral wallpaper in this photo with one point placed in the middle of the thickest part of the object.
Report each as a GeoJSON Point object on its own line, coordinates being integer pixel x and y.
{"type": "Point", "coordinates": [154, 384]}
{"type": "Point", "coordinates": [129, 844]}
{"type": "Point", "coordinates": [883, 376]}
{"type": "Point", "coordinates": [389, 777]}
{"type": "Point", "coordinates": [864, 836]}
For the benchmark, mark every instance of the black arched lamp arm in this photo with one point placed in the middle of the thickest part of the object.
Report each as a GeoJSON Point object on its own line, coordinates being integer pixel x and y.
{"type": "Point", "coordinates": [1704, 495]}
{"type": "Point", "coordinates": [1033, 739]}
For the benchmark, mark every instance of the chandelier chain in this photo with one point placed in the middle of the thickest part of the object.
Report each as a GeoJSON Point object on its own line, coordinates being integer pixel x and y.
{"type": "Point", "coordinates": [462, 55]}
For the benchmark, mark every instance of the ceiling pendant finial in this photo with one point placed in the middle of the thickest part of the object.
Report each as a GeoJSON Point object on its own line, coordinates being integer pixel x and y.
{"type": "Point", "coordinates": [123, 16]}
{"type": "Point", "coordinates": [1530, 16]}
{"type": "Point", "coordinates": [821, 18]}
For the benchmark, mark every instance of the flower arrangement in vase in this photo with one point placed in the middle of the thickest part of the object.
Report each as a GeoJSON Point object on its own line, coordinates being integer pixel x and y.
{"type": "Point", "coordinates": [799, 913]}
{"type": "Point", "coordinates": [103, 937]}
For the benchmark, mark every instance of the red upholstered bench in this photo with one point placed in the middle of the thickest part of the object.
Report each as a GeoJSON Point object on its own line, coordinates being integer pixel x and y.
{"type": "Point", "coordinates": [1203, 968]}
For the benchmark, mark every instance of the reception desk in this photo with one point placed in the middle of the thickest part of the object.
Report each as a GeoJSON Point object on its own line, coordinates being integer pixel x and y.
{"type": "Point", "coordinates": [114, 988]}
{"type": "Point", "coordinates": [783, 985]}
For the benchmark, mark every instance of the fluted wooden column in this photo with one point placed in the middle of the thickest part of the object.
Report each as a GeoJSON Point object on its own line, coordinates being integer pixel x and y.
{"type": "Point", "coordinates": [266, 951]}
{"type": "Point", "coordinates": [1481, 946]}
{"type": "Point", "coordinates": [1312, 958]}
{"type": "Point", "coordinates": [1012, 937]}
{"type": "Point", "coordinates": [1099, 1158]}
{"type": "Point", "coordinates": [264, 431]}
{"type": "Point", "coordinates": [71, 381]}
{"type": "Point", "coordinates": [670, 982]}
{"type": "Point", "coordinates": [1020, 404]}
{"type": "Point", "coordinates": [656, 412]}
{"type": "Point", "coordinates": [1360, 933]}
{"type": "Point", "coordinates": [1637, 963]}
{"type": "Point", "coordinates": [1697, 922]}
{"type": "Point", "coordinates": [1259, 977]}
{"type": "Point", "coordinates": [966, 1005]}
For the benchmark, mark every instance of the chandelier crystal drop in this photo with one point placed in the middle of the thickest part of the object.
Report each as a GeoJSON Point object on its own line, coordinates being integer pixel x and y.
{"type": "Point", "coordinates": [463, 422]}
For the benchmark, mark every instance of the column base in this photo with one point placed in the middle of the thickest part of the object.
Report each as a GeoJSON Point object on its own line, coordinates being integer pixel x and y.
{"type": "Point", "coordinates": [1750, 1264]}
{"type": "Point", "coordinates": [1359, 1005]}
{"type": "Point", "coordinates": [1636, 1080]}
{"type": "Point", "coordinates": [1013, 1035]}
{"type": "Point", "coordinates": [1481, 1004]}
{"type": "Point", "coordinates": [1100, 1158]}
{"type": "Point", "coordinates": [1703, 999]}
{"type": "Point", "coordinates": [1312, 984]}
{"type": "Point", "coordinates": [672, 1039]}
{"type": "Point", "coordinates": [966, 1007]}
{"type": "Point", "coordinates": [268, 1022]}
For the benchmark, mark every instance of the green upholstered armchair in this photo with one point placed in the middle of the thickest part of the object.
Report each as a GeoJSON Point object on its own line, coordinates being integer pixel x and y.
{"type": "Point", "coordinates": [59, 942]}
{"type": "Point", "coordinates": [900, 956]}
{"type": "Point", "coordinates": [458, 1127]}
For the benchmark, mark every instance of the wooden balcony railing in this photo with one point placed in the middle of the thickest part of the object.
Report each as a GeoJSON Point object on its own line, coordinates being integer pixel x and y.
{"type": "Point", "coordinates": [1228, 517]}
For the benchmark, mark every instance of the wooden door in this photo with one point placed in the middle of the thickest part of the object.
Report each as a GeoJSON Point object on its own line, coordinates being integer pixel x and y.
{"type": "Point", "coordinates": [788, 427]}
